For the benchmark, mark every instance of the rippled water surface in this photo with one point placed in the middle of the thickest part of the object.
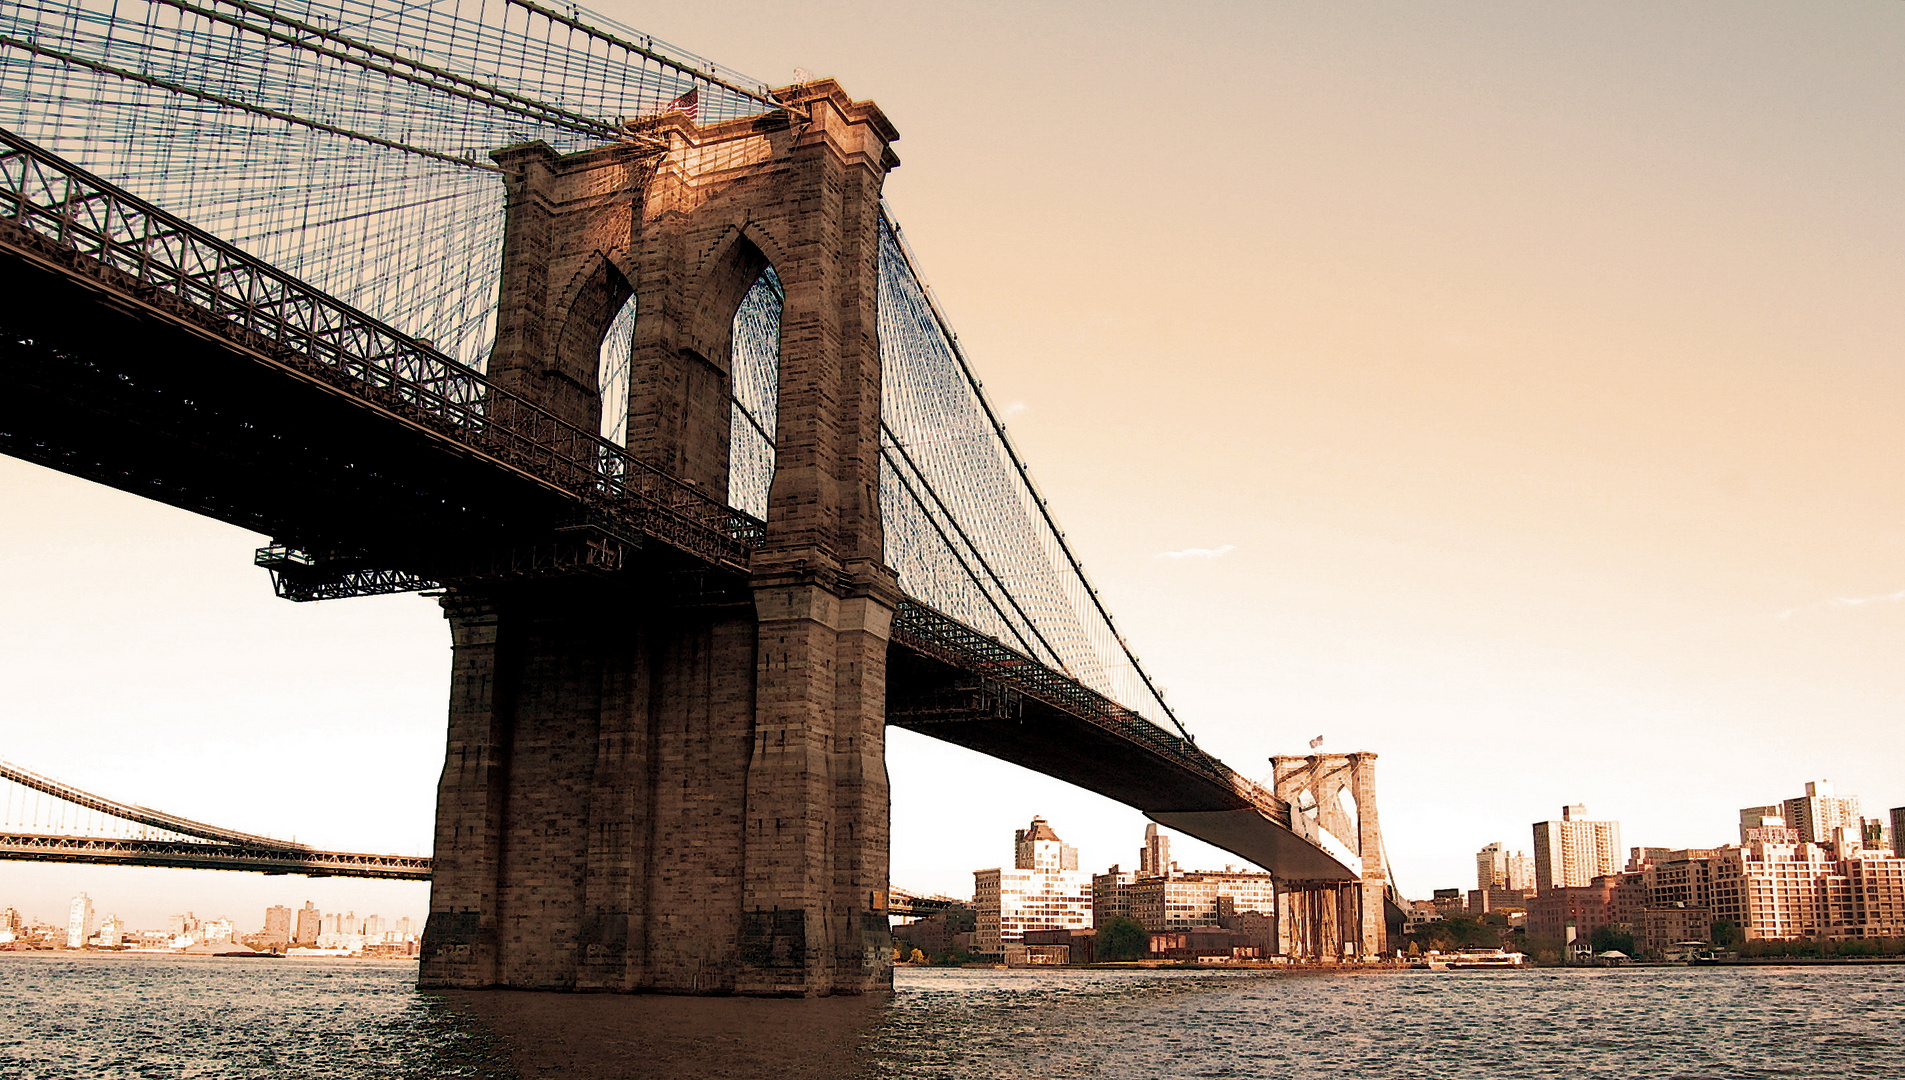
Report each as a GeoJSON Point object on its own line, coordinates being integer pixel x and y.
{"type": "Point", "coordinates": [127, 1016]}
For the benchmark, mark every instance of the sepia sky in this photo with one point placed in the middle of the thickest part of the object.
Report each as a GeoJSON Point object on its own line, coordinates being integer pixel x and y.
{"type": "Point", "coordinates": [1512, 390]}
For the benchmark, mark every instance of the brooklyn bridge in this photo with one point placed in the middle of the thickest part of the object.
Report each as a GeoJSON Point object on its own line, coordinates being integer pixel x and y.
{"type": "Point", "coordinates": [621, 356]}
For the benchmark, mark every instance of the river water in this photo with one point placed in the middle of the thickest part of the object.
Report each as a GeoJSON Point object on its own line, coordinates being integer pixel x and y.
{"type": "Point", "coordinates": [89, 1017]}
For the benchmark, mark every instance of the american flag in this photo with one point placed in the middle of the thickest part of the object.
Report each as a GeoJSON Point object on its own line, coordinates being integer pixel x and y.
{"type": "Point", "coordinates": [688, 105]}
{"type": "Point", "coordinates": [1316, 742]}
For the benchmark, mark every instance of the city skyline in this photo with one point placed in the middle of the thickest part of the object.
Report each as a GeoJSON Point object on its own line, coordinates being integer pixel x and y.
{"type": "Point", "coordinates": [1153, 853]}
{"type": "Point", "coordinates": [1513, 393]}
{"type": "Point", "coordinates": [147, 906]}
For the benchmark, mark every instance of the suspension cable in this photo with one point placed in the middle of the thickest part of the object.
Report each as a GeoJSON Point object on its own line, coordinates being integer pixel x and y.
{"type": "Point", "coordinates": [959, 355]}
{"type": "Point", "coordinates": [242, 106]}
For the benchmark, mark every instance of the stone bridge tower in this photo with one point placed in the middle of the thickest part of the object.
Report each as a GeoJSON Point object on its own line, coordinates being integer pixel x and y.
{"type": "Point", "coordinates": [1334, 794]}
{"type": "Point", "coordinates": [662, 785]}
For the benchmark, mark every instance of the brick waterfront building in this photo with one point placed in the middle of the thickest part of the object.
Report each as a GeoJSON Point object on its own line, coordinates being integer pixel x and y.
{"type": "Point", "coordinates": [1610, 900]}
{"type": "Point", "coordinates": [1187, 901]}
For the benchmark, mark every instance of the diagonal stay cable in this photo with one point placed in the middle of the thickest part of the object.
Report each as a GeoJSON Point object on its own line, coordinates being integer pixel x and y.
{"type": "Point", "coordinates": [460, 86]}
{"type": "Point", "coordinates": [974, 548]}
{"type": "Point", "coordinates": [747, 415]}
{"type": "Point", "coordinates": [234, 103]}
{"type": "Point", "coordinates": [959, 355]}
{"type": "Point", "coordinates": [139, 814]}
{"type": "Point", "coordinates": [667, 61]}
{"type": "Point", "coordinates": [900, 474]}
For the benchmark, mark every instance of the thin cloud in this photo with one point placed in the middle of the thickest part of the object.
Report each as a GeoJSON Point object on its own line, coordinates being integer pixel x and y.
{"type": "Point", "coordinates": [1014, 409]}
{"type": "Point", "coordinates": [1839, 603]}
{"type": "Point", "coordinates": [1198, 553]}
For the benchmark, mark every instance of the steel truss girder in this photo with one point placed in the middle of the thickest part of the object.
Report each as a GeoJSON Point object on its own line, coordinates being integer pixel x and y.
{"type": "Point", "coordinates": [926, 631]}
{"type": "Point", "coordinates": [303, 576]}
{"type": "Point", "coordinates": [62, 218]}
{"type": "Point", "coordinates": [30, 847]}
{"type": "Point", "coordinates": [965, 701]}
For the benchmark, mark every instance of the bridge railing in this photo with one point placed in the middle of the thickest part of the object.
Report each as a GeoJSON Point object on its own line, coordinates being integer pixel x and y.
{"type": "Point", "coordinates": [921, 628]}
{"type": "Point", "coordinates": [283, 859]}
{"type": "Point", "coordinates": [67, 826]}
{"type": "Point", "coordinates": [90, 226]}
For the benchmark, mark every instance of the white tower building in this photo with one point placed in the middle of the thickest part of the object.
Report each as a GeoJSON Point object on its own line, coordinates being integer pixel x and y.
{"type": "Point", "coordinates": [80, 923]}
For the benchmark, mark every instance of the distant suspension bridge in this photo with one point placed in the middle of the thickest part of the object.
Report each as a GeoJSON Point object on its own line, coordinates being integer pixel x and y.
{"type": "Point", "coordinates": [44, 820]}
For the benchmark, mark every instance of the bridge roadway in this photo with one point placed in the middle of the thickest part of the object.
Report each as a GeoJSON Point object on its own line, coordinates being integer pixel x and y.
{"type": "Point", "coordinates": [144, 354]}
{"type": "Point", "coordinates": [182, 842]}
{"type": "Point", "coordinates": [194, 845]}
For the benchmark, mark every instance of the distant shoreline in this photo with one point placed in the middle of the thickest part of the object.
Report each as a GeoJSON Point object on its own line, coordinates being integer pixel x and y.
{"type": "Point", "coordinates": [148, 954]}
{"type": "Point", "coordinates": [1391, 965]}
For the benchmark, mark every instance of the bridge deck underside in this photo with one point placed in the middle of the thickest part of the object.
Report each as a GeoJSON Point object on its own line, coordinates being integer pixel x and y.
{"type": "Point", "coordinates": [95, 384]}
{"type": "Point", "coordinates": [929, 695]}
{"type": "Point", "coordinates": [935, 698]}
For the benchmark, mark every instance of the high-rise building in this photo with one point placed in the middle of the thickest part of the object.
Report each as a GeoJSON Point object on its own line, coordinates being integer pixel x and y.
{"type": "Point", "coordinates": [1773, 890]}
{"type": "Point", "coordinates": [277, 929]}
{"type": "Point", "coordinates": [1819, 811]}
{"type": "Point", "coordinates": [1501, 880]}
{"type": "Point", "coordinates": [1572, 852]}
{"type": "Point", "coordinates": [1761, 817]}
{"type": "Point", "coordinates": [1521, 872]}
{"type": "Point", "coordinates": [79, 921]}
{"type": "Point", "coordinates": [1154, 859]}
{"type": "Point", "coordinates": [310, 924]}
{"type": "Point", "coordinates": [1039, 848]}
{"type": "Point", "coordinates": [1898, 831]}
{"type": "Point", "coordinates": [1111, 895]}
{"type": "Point", "coordinates": [1491, 867]}
{"type": "Point", "coordinates": [1041, 892]}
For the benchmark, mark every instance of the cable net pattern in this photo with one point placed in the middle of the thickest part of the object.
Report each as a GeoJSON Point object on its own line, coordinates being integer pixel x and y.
{"type": "Point", "coordinates": [965, 526]}
{"type": "Point", "coordinates": [613, 373]}
{"type": "Point", "coordinates": [754, 378]}
{"type": "Point", "coordinates": [31, 803]}
{"type": "Point", "coordinates": [755, 375]}
{"type": "Point", "coordinates": [344, 141]}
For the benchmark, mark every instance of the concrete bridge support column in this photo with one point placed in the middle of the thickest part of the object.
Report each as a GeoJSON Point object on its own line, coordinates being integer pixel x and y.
{"type": "Point", "coordinates": [814, 904]}
{"type": "Point", "coordinates": [1372, 930]}
{"type": "Point", "coordinates": [647, 793]}
{"type": "Point", "coordinates": [589, 821]}
{"type": "Point", "coordinates": [1335, 794]}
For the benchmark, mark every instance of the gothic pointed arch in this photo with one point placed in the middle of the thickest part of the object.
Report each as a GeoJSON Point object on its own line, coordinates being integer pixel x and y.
{"type": "Point", "coordinates": [735, 330]}
{"type": "Point", "coordinates": [593, 302]}
{"type": "Point", "coordinates": [754, 381]}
